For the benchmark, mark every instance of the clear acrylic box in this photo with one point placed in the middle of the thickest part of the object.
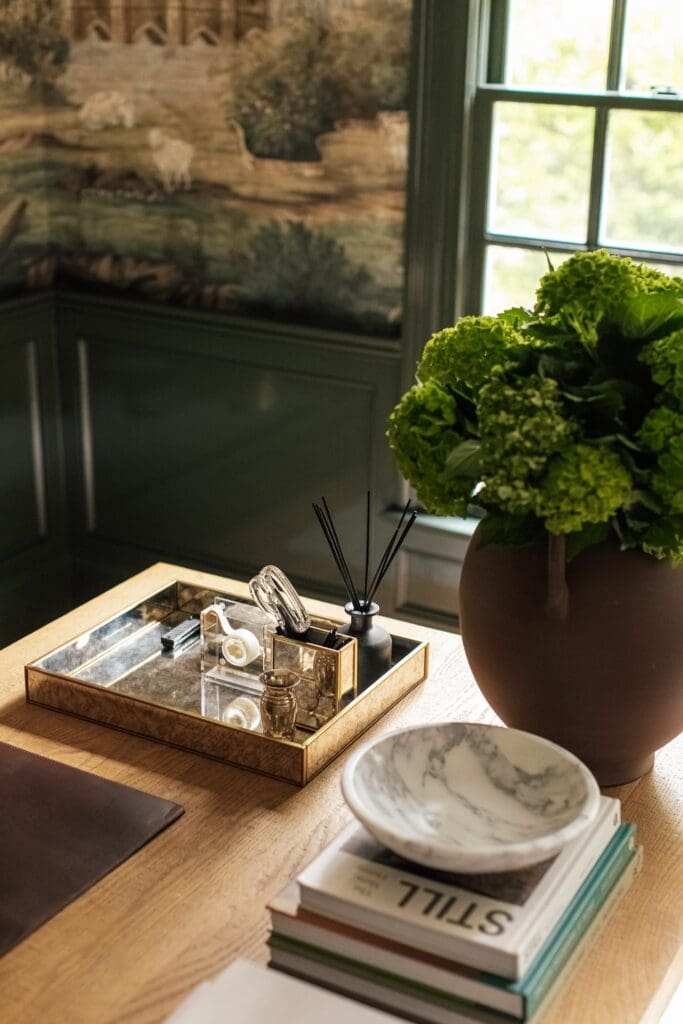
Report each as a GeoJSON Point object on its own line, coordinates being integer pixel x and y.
{"type": "Point", "coordinates": [236, 644]}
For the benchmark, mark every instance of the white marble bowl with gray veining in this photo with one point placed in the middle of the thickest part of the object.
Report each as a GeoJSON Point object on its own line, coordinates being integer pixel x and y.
{"type": "Point", "coordinates": [471, 798]}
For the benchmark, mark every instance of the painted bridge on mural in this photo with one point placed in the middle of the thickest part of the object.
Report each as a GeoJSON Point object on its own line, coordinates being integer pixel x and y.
{"type": "Point", "coordinates": [163, 22]}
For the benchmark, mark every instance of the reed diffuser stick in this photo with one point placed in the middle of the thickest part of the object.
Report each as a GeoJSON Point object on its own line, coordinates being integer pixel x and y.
{"type": "Point", "coordinates": [381, 567]}
{"type": "Point", "coordinates": [397, 546]}
{"type": "Point", "coordinates": [333, 530]}
{"type": "Point", "coordinates": [337, 554]}
{"type": "Point", "coordinates": [403, 527]}
{"type": "Point", "coordinates": [367, 550]}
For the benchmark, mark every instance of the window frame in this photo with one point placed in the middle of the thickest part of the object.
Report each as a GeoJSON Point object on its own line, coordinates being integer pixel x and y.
{"type": "Point", "coordinates": [491, 89]}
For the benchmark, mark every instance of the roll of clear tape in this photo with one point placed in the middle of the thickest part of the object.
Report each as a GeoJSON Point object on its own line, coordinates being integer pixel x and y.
{"type": "Point", "coordinates": [240, 648]}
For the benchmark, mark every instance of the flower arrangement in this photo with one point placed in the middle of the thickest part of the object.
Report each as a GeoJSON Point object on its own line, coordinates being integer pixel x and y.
{"type": "Point", "coordinates": [565, 420]}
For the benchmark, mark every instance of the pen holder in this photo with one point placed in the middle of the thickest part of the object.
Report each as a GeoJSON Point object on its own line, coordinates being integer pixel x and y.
{"type": "Point", "coordinates": [327, 677]}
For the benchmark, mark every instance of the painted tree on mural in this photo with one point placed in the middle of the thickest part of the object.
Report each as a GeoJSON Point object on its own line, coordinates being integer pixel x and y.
{"type": "Point", "coordinates": [31, 41]}
{"type": "Point", "coordinates": [290, 84]}
{"type": "Point", "coordinates": [294, 269]}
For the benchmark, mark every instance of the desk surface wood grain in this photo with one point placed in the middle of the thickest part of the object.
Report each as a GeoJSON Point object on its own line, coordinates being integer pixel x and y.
{"type": "Point", "coordinates": [194, 899]}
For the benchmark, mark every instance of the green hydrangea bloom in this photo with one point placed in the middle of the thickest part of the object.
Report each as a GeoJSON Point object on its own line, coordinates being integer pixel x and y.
{"type": "Point", "coordinates": [596, 284]}
{"type": "Point", "coordinates": [422, 433]}
{"type": "Point", "coordinates": [665, 359]}
{"type": "Point", "coordinates": [583, 485]}
{"type": "Point", "coordinates": [521, 426]}
{"type": "Point", "coordinates": [662, 432]}
{"type": "Point", "coordinates": [467, 353]}
{"type": "Point", "coordinates": [659, 427]}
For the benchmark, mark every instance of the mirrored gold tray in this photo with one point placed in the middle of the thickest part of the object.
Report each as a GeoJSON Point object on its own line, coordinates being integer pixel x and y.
{"type": "Point", "coordinates": [116, 675]}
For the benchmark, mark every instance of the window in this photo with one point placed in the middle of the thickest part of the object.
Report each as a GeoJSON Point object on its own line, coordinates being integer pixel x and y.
{"type": "Point", "coordinates": [538, 126]}
{"type": "Point", "coordinates": [577, 141]}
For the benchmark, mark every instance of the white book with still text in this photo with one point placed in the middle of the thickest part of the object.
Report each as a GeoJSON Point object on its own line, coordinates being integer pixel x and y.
{"type": "Point", "coordinates": [495, 923]}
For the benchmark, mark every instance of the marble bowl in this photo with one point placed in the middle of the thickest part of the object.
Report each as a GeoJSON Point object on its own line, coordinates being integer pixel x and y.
{"type": "Point", "coordinates": [472, 798]}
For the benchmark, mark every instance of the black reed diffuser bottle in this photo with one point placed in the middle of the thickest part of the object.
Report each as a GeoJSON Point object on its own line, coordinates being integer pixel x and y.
{"type": "Point", "coordinates": [374, 642]}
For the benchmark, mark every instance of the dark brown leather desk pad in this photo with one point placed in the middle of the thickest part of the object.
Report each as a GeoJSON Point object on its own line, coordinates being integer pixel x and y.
{"type": "Point", "coordinates": [61, 830]}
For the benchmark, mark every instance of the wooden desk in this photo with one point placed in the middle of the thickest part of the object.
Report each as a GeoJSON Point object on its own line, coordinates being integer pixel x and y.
{"type": "Point", "coordinates": [194, 899]}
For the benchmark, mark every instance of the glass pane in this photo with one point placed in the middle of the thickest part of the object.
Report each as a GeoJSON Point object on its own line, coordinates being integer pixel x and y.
{"type": "Point", "coordinates": [644, 196]}
{"type": "Point", "coordinates": [552, 43]}
{"type": "Point", "coordinates": [541, 163]}
{"type": "Point", "coordinates": [670, 269]}
{"type": "Point", "coordinates": [654, 46]}
{"type": "Point", "coordinates": [512, 275]}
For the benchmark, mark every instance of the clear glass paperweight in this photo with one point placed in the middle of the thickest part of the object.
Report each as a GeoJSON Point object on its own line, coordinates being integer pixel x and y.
{"type": "Point", "coordinates": [236, 644]}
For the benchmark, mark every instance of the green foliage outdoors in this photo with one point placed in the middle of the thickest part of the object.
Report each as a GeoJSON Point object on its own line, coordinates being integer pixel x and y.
{"type": "Point", "coordinates": [567, 418]}
{"type": "Point", "coordinates": [31, 41]}
{"type": "Point", "coordinates": [298, 271]}
{"type": "Point", "coordinates": [290, 84]}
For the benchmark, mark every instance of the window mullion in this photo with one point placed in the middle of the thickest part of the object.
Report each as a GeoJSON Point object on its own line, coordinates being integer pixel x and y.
{"type": "Point", "coordinates": [557, 97]}
{"type": "Point", "coordinates": [615, 63]}
{"type": "Point", "coordinates": [480, 178]}
{"type": "Point", "coordinates": [597, 183]}
{"type": "Point", "coordinates": [613, 84]}
{"type": "Point", "coordinates": [498, 14]}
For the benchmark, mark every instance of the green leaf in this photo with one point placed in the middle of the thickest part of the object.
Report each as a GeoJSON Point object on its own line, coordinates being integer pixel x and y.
{"type": "Point", "coordinates": [552, 332]}
{"type": "Point", "coordinates": [646, 315]}
{"type": "Point", "coordinates": [516, 316]}
{"type": "Point", "coordinates": [608, 396]}
{"type": "Point", "coordinates": [636, 471]}
{"type": "Point", "coordinates": [591, 533]}
{"type": "Point", "coordinates": [513, 531]}
{"type": "Point", "coordinates": [648, 500]}
{"type": "Point", "coordinates": [628, 443]}
{"type": "Point", "coordinates": [665, 537]}
{"type": "Point", "coordinates": [464, 462]}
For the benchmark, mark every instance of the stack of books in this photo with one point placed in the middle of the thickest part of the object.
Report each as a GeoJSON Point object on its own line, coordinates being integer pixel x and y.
{"type": "Point", "coordinates": [436, 947]}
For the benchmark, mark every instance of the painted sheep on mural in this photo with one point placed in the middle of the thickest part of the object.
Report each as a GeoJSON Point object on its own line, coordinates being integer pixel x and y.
{"type": "Point", "coordinates": [107, 109]}
{"type": "Point", "coordinates": [172, 158]}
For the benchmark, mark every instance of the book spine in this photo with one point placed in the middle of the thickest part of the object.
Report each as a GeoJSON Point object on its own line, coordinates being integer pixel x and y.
{"type": "Point", "coordinates": [401, 984]}
{"type": "Point", "coordinates": [559, 953]}
{"type": "Point", "coordinates": [398, 1000]}
{"type": "Point", "coordinates": [460, 982]}
{"type": "Point", "coordinates": [530, 942]}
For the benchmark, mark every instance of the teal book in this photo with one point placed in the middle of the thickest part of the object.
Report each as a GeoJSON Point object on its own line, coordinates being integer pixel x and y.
{"type": "Point", "coordinates": [390, 973]}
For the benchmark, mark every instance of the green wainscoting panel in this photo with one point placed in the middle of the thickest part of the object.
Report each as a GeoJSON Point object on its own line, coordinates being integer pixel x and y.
{"type": "Point", "coordinates": [204, 439]}
{"type": "Point", "coordinates": [22, 509]}
{"type": "Point", "coordinates": [35, 572]}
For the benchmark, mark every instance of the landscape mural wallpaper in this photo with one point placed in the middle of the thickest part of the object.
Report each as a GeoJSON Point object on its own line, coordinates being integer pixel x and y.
{"type": "Point", "coordinates": [235, 155]}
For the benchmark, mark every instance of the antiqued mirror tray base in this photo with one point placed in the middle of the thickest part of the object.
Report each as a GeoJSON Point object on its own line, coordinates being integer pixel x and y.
{"type": "Point", "coordinates": [117, 675]}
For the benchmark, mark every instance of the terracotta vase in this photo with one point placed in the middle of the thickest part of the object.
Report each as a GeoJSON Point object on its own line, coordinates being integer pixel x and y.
{"type": "Point", "coordinates": [605, 677]}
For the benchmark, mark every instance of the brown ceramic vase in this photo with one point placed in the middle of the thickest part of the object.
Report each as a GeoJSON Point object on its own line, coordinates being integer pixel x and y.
{"type": "Point", "coordinates": [606, 680]}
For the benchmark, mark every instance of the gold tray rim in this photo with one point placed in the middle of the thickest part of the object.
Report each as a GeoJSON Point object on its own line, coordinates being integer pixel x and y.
{"type": "Point", "coordinates": [301, 747]}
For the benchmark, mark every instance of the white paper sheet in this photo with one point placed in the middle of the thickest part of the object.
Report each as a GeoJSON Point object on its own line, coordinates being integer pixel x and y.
{"type": "Point", "coordinates": [246, 993]}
